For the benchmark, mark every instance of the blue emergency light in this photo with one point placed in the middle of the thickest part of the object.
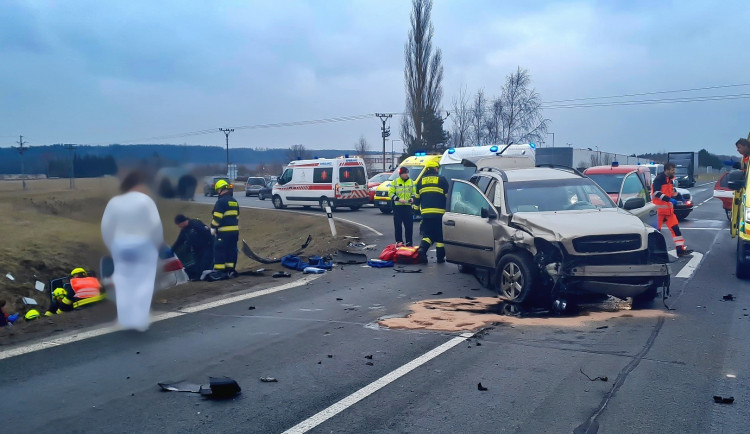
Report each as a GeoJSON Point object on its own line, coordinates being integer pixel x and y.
{"type": "Point", "coordinates": [452, 150]}
{"type": "Point", "coordinates": [615, 164]}
{"type": "Point", "coordinates": [346, 155]}
{"type": "Point", "coordinates": [493, 149]}
{"type": "Point", "coordinates": [420, 154]}
{"type": "Point", "coordinates": [532, 146]}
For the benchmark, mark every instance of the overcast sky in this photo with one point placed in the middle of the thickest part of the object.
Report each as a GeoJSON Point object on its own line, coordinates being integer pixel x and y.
{"type": "Point", "coordinates": [101, 72]}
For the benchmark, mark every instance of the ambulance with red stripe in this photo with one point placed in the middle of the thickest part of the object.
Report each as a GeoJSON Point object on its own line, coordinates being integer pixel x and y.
{"type": "Point", "coordinates": [322, 182]}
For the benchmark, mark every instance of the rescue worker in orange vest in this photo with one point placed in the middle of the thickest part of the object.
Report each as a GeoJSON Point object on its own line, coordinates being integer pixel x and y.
{"type": "Point", "coordinates": [431, 191]}
{"type": "Point", "coordinates": [743, 147]}
{"type": "Point", "coordinates": [81, 291]}
{"type": "Point", "coordinates": [665, 197]}
{"type": "Point", "coordinates": [225, 227]}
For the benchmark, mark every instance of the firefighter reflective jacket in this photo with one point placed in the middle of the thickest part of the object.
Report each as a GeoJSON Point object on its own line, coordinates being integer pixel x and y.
{"type": "Point", "coordinates": [401, 189]}
{"type": "Point", "coordinates": [226, 214]}
{"type": "Point", "coordinates": [431, 193]}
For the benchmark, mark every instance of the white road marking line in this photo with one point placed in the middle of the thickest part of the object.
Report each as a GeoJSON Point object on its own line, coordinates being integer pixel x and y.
{"type": "Point", "coordinates": [322, 416]}
{"type": "Point", "coordinates": [380, 234]}
{"type": "Point", "coordinates": [38, 346]}
{"type": "Point", "coordinates": [702, 229]}
{"type": "Point", "coordinates": [691, 266]}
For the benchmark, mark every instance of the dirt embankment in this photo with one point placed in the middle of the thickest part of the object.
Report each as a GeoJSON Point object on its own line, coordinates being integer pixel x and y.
{"type": "Point", "coordinates": [48, 230]}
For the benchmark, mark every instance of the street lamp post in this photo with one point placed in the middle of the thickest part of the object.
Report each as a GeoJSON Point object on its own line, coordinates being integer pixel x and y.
{"type": "Point", "coordinates": [553, 139]}
{"type": "Point", "coordinates": [226, 132]}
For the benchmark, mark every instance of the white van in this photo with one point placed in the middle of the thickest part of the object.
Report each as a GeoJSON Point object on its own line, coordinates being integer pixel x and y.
{"type": "Point", "coordinates": [322, 182]}
{"type": "Point", "coordinates": [461, 163]}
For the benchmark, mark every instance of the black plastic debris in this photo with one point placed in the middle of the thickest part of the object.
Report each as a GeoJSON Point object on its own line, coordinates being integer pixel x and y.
{"type": "Point", "coordinates": [330, 356]}
{"type": "Point", "coordinates": [479, 344]}
{"type": "Point", "coordinates": [469, 298]}
{"type": "Point", "coordinates": [252, 255]}
{"type": "Point", "coordinates": [438, 293]}
{"type": "Point", "coordinates": [602, 327]}
{"type": "Point", "coordinates": [268, 380]}
{"type": "Point", "coordinates": [370, 364]}
{"type": "Point", "coordinates": [481, 388]}
{"type": "Point", "coordinates": [339, 299]}
{"type": "Point", "coordinates": [369, 356]}
{"type": "Point", "coordinates": [281, 274]}
{"type": "Point", "coordinates": [218, 387]}
{"type": "Point", "coordinates": [251, 308]}
{"type": "Point", "coordinates": [346, 257]}
{"type": "Point", "coordinates": [402, 269]}
{"type": "Point", "coordinates": [728, 297]}
{"type": "Point", "coordinates": [605, 379]}
{"type": "Point", "coordinates": [721, 400]}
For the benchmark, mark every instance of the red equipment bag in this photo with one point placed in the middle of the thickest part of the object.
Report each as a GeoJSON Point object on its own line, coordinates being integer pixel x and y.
{"type": "Point", "coordinates": [406, 255]}
{"type": "Point", "coordinates": [389, 252]}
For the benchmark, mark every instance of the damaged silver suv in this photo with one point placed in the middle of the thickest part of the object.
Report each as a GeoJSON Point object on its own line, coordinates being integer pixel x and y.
{"type": "Point", "coordinates": [551, 233]}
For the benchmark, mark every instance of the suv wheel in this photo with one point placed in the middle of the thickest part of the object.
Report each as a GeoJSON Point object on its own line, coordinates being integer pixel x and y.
{"type": "Point", "coordinates": [514, 277]}
{"type": "Point", "coordinates": [277, 202]}
{"type": "Point", "coordinates": [261, 196]}
{"type": "Point", "coordinates": [324, 202]}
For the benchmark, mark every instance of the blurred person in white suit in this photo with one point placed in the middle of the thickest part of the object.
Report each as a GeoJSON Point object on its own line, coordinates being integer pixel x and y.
{"type": "Point", "coordinates": [133, 233]}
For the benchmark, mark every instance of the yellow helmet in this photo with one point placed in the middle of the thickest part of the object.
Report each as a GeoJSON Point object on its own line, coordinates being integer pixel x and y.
{"type": "Point", "coordinates": [32, 314]}
{"type": "Point", "coordinates": [432, 163]}
{"type": "Point", "coordinates": [221, 184]}
{"type": "Point", "coordinates": [78, 270]}
{"type": "Point", "coordinates": [59, 293]}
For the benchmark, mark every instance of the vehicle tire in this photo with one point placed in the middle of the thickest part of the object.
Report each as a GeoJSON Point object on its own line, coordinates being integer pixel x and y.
{"type": "Point", "coordinates": [261, 196]}
{"type": "Point", "coordinates": [465, 269]}
{"type": "Point", "coordinates": [645, 299]}
{"type": "Point", "coordinates": [247, 194]}
{"type": "Point", "coordinates": [743, 268]}
{"type": "Point", "coordinates": [681, 216]}
{"type": "Point", "coordinates": [355, 207]}
{"type": "Point", "coordinates": [385, 210]}
{"type": "Point", "coordinates": [324, 201]}
{"type": "Point", "coordinates": [277, 202]}
{"type": "Point", "coordinates": [515, 278]}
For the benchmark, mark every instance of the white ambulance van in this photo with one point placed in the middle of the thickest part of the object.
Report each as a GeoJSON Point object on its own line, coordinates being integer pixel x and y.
{"type": "Point", "coordinates": [322, 182]}
{"type": "Point", "coordinates": [461, 163]}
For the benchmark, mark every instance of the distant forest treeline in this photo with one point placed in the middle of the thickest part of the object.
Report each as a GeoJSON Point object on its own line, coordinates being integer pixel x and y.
{"type": "Point", "coordinates": [53, 159]}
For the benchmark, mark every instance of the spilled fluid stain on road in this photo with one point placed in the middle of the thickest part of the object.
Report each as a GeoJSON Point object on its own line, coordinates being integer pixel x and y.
{"type": "Point", "coordinates": [460, 314]}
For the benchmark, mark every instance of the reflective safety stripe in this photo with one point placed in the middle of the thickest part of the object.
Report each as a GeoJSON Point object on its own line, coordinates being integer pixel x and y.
{"type": "Point", "coordinates": [59, 311]}
{"type": "Point", "coordinates": [229, 264]}
{"type": "Point", "coordinates": [67, 301]}
{"type": "Point", "coordinates": [231, 212]}
{"type": "Point", "coordinates": [439, 245]}
{"type": "Point", "coordinates": [416, 195]}
{"type": "Point", "coordinates": [219, 266]}
{"type": "Point", "coordinates": [85, 301]}
{"type": "Point", "coordinates": [214, 223]}
{"type": "Point", "coordinates": [48, 313]}
{"type": "Point", "coordinates": [431, 190]}
{"type": "Point", "coordinates": [427, 240]}
{"type": "Point", "coordinates": [218, 215]}
{"type": "Point", "coordinates": [229, 229]}
{"type": "Point", "coordinates": [433, 211]}
{"type": "Point", "coordinates": [233, 203]}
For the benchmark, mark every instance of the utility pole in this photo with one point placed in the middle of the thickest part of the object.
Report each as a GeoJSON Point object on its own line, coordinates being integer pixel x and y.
{"type": "Point", "coordinates": [69, 147]}
{"type": "Point", "coordinates": [226, 132]}
{"type": "Point", "coordinates": [384, 132]}
{"type": "Point", "coordinates": [21, 150]}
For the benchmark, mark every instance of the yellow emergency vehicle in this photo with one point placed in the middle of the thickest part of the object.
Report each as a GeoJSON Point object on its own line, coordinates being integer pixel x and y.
{"type": "Point", "coordinates": [415, 164]}
{"type": "Point", "coordinates": [740, 226]}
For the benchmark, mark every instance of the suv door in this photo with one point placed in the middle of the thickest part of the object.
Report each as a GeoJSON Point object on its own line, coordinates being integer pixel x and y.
{"type": "Point", "coordinates": [469, 237]}
{"type": "Point", "coordinates": [632, 186]}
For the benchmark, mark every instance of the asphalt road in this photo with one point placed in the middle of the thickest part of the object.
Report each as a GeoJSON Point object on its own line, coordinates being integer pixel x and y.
{"type": "Point", "coordinates": [662, 370]}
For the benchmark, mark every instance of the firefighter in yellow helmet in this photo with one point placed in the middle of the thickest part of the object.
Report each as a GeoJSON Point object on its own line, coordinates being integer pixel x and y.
{"type": "Point", "coordinates": [225, 228]}
{"type": "Point", "coordinates": [63, 300]}
{"type": "Point", "coordinates": [431, 191]}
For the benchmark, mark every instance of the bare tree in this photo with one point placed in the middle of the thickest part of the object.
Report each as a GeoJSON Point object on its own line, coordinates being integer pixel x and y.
{"type": "Point", "coordinates": [522, 119]}
{"type": "Point", "coordinates": [423, 74]}
{"type": "Point", "coordinates": [297, 152]}
{"type": "Point", "coordinates": [477, 117]}
{"type": "Point", "coordinates": [461, 119]}
{"type": "Point", "coordinates": [361, 147]}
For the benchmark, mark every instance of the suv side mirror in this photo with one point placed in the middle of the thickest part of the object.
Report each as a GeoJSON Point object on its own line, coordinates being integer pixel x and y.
{"type": "Point", "coordinates": [634, 203]}
{"type": "Point", "coordinates": [736, 180]}
{"type": "Point", "coordinates": [488, 213]}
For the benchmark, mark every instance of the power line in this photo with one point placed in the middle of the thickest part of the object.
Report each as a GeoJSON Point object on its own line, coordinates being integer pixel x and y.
{"type": "Point", "coordinates": [648, 93]}
{"type": "Point", "coordinates": [650, 101]}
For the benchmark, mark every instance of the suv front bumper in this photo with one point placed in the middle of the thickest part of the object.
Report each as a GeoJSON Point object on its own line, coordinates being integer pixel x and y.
{"type": "Point", "coordinates": [617, 280]}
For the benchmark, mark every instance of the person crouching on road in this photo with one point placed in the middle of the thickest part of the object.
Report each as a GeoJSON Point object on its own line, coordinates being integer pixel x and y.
{"type": "Point", "coordinates": [401, 192]}
{"type": "Point", "coordinates": [665, 198]}
{"type": "Point", "coordinates": [225, 227]}
{"type": "Point", "coordinates": [431, 192]}
{"type": "Point", "coordinates": [194, 246]}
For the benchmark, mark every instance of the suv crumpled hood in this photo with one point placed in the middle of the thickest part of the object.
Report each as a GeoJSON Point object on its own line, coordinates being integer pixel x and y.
{"type": "Point", "coordinates": [567, 225]}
